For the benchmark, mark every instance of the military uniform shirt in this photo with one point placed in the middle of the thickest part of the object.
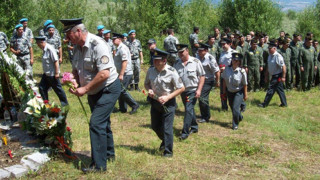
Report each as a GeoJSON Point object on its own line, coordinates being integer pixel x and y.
{"type": "Point", "coordinates": [190, 73]}
{"type": "Point", "coordinates": [55, 41]}
{"type": "Point", "coordinates": [164, 82]}
{"type": "Point", "coordinates": [235, 79]}
{"type": "Point", "coordinates": [135, 48]}
{"type": "Point", "coordinates": [49, 57]}
{"type": "Point", "coordinates": [20, 43]}
{"type": "Point", "coordinates": [93, 57]}
{"type": "Point", "coordinates": [253, 58]}
{"type": "Point", "coordinates": [3, 41]}
{"type": "Point", "coordinates": [213, 50]}
{"type": "Point", "coordinates": [275, 63]}
{"type": "Point", "coordinates": [286, 54]}
{"type": "Point", "coordinates": [307, 55]}
{"type": "Point", "coordinates": [193, 39]}
{"type": "Point", "coordinates": [210, 66]}
{"type": "Point", "coordinates": [294, 51]}
{"type": "Point", "coordinates": [169, 44]}
{"type": "Point", "coordinates": [225, 57]}
{"type": "Point", "coordinates": [123, 54]}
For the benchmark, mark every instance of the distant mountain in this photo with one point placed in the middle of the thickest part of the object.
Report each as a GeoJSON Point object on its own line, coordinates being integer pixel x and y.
{"type": "Point", "coordinates": [295, 5]}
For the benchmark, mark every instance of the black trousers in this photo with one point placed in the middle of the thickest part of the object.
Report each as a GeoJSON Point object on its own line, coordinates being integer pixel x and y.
{"type": "Point", "coordinates": [235, 101]}
{"type": "Point", "coordinates": [162, 122]}
{"type": "Point", "coordinates": [101, 105]}
{"type": "Point", "coordinates": [275, 85]}
{"type": "Point", "coordinates": [125, 97]}
{"type": "Point", "coordinates": [204, 106]}
{"type": "Point", "coordinates": [189, 120]}
{"type": "Point", "coordinates": [50, 81]}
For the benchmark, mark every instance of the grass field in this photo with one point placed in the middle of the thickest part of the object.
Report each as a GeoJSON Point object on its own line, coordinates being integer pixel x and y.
{"type": "Point", "coordinates": [271, 143]}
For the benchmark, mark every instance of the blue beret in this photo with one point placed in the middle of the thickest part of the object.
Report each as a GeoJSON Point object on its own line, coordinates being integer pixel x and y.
{"type": "Point", "coordinates": [50, 26]}
{"type": "Point", "coordinates": [23, 20]}
{"type": "Point", "coordinates": [132, 31]}
{"type": "Point", "coordinates": [19, 25]}
{"type": "Point", "coordinates": [100, 27]}
{"type": "Point", "coordinates": [47, 22]}
{"type": "Point", "coordinates": [106, 31]}
{"type": "Point", "coordinates": [125, 34]}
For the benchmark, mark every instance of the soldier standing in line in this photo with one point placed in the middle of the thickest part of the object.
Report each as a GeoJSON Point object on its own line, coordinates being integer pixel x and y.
{"type": "Point", "coordinates": [192, 74]}
{"type": "Point", "coordinates": [307, 63]}
{"type": "Point", "coordinates": [94, 69]}
{"type": "Point", "coordinates": [26, 30]}
{"type": "Point", "coordinates": [212, 77]}
{"type": "Point", "coordinates": [264, 46]}
{"type": "Point", "coordinates": [194, 41]}
{"type": "Point", "coordinates": [4, 43]}
{"type": "Point", "coordinates": [136, 52]}
{"type": "Point", "coordinates": [217, 35]}
{"type": "Point", "coordinates": [235, 88]}
{"type": "Point", "coordinates": [51, 71]}
{"type": "Point", "coordinates": [277, 70]}
{"type": "Point", "coordinates": [125, 39]}
{"type": "Point", "coordinates": [44, 30]}
{"type": "Point", "coordinates": [55, 41]}
{"type": "Point", "coordinates": [122, 61]}
{"type": "Point", "coordinates": [317, 72]}
{"type": "Point", "coordinates": [163, 85]}
{"type": "Point", "coordinates": [100, 29]}
{"type": "Point", "coordinates": [169, 45]}
{"type": "Point", "coordinates": [253, 64]}
{"type": "Point", "coordinates": [243, 44]}
{"type": "Point", "coordinates": [285, 52]}
{"type": "Point", "coordinates": [21, 47]}
{"type": "Point", "coordinates": [294, 61]}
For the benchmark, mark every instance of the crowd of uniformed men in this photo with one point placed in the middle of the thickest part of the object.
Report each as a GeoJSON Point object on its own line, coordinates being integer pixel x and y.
{"type": "Point", "coordinates": [107, 67]}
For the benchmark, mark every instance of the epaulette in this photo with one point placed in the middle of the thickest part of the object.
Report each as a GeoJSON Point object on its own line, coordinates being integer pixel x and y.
{"type": "Point", "coordinates": [94, 42]}
{"type": "Point", "coordinates": [171, 68]}
{"type": "Point", "coordinates": [196, 60]}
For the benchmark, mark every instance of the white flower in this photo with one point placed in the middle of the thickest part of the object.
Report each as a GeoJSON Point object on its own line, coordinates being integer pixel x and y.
{"type": "Point", "coordinates": [28, 110]}
{"type": "Point", "coordinates": [51, 123]}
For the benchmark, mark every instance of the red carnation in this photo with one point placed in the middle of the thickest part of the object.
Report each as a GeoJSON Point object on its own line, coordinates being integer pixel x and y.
{"type": "Point", "coordinates": [144, 92]}
{"type": "Point", "coordinates": [68, 129]}
{"type": "Point", "coordinates": [10, 154]}
{"type": "Point", "coordinates": [46, 101]}
{"type": "Point", "coordinates": [55, 110]}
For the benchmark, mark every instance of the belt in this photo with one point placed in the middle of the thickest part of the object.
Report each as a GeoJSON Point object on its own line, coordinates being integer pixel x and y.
{"type": "Point", "coordinates": [134, 59]}
{"type": "Point", "coordinates": [23, 54]}
{"type": "Point", "coordinates": [277, 75]}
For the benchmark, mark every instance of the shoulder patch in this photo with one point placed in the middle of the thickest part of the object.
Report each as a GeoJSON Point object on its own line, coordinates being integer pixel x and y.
{"type": "Point", "coordinates": [196, 60]}
{"type": "Point", "coordinates": [243, 71]}
{"type": "Point", "coordinates": [104, 60]}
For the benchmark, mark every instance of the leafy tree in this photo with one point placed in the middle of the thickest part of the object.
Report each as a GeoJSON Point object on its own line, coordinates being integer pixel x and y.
{"type": "Point", "coordinates": [292, 15]}
{"type": "Point", "coordinates": [308, 21]}
{"type": "Point", "coordinates": [248, 15]}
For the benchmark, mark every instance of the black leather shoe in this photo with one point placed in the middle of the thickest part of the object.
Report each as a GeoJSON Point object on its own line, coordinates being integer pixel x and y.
{"type": "Point", "coordinates": [193, 131]}
{"type": "Point", "coordinates": [167, 155]}
{"type": "Point", "coordinates": [203, 121]}
{"type": "Point", "coordinates": [111, 158]}
{"type": "Point", "coordinates": [261, 105]}
{"type": "Point", "coordinates": [235, 128]}
{"type": "Point", "coordinates": [135, 109]}
{"type": "Point", "coordinates": [92, 169]}
{"type": "Point", "coordinates": [282, 105]}
{"type": "Point", "coordinates": [161, 148]}
{"type": "Point", "coordinates": [183, 137]}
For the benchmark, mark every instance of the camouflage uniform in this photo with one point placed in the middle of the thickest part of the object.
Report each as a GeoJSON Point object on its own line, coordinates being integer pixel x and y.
{"type": "Point", "coordinates": [3, 42]}
{"type": "Point", "coordinates": [135, 49]}
{"type": "Point", "coordinates": [44, 32]}
{"type": "Point", "coordinates": [169, 45]}
{"type": "Point", "coordinates": [27, 32]}
{"type": "Point", "coordinates": [24, 45]}
{"type": "Point", "coordinates": [193, 39]}
{"type": "Point", "coordinates": [55, 41]}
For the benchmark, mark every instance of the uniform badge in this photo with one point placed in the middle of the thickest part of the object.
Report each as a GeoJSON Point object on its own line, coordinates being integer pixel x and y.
{"type": "Point", "coordinates": [251, 53]}
{"type": "Point", "coordinates": [124, 56]}
{"type": "Point", "coordinates": [180, 81]}
{"type": "Point", "coordinates": [105, 60]}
